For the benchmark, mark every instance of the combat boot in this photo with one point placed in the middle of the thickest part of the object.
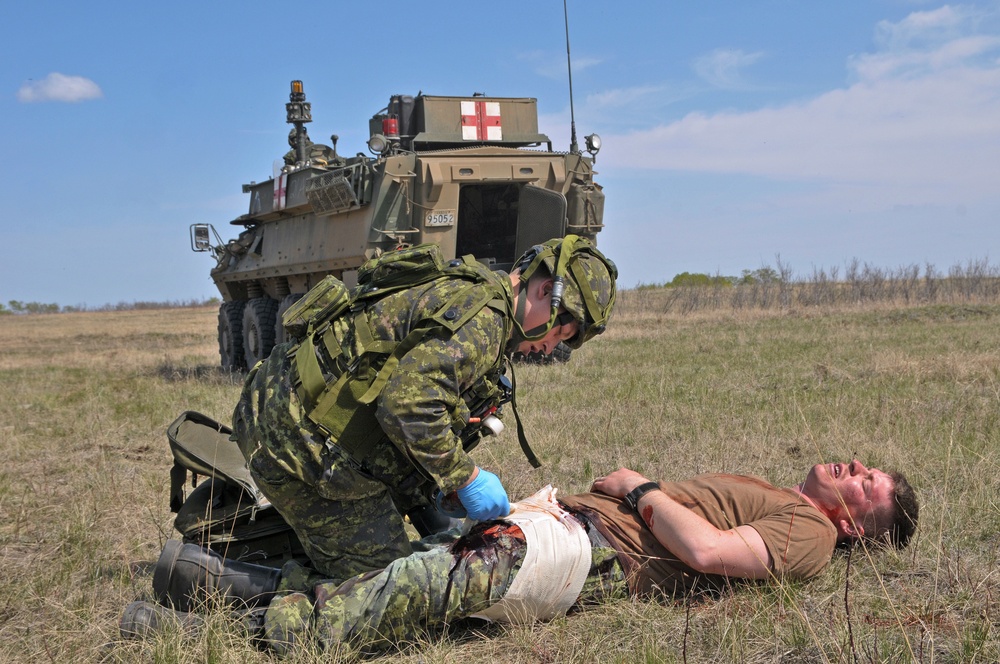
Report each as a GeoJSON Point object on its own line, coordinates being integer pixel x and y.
{"type": "Point", "coordinates": [187, 574]}
{"type": "Point", "coordinates": [142, 620]}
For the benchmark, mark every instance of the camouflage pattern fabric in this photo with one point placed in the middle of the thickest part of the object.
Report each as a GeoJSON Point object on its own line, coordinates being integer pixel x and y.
{"type": "Point", "coordinates": [347, 511]}
{"type": "Point", "coordinates": [589, 277]}
{"type": "Point", "coordinates": [592, 285]}
{"type": "Point", "coordinates": [414, 595]}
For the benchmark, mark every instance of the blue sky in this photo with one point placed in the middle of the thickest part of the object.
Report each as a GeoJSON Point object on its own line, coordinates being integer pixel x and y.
{"type": "Point", "coordinates": [734, 132]}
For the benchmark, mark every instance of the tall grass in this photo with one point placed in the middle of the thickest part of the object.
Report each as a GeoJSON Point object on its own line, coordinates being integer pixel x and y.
{"type": "Point", "coordinates": [860, 285]}
{"type": "Point", "coordinates": [670, 391]}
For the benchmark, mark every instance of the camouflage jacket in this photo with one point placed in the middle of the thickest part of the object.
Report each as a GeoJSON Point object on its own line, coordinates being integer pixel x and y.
{"type": "Point", "coordinates": [424, 405]}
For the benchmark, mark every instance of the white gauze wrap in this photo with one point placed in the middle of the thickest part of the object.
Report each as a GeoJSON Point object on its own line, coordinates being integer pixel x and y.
{"type": "Point", "coordinates": [556, 562]}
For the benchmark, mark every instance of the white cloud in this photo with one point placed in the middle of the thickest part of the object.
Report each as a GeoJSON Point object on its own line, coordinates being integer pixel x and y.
{"type": "Point", "coordinates": [59, 87]}
{"type": "Point", "coordinates": [622, 97]}
{"type": "Point", "coordinates": [926, 42]}
{"type": "Point", "coordinates": [922, 122]}
{"type": "Point", "coordinates": [723, 68]}
{"type": "Point", "coordinates": [921, 27]}
{"type": "Point", "coordinates": [553, 65]}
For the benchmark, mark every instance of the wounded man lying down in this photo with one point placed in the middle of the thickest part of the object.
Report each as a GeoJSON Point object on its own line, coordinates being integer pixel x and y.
{"type": "Point", "coordinates": [628, 535]}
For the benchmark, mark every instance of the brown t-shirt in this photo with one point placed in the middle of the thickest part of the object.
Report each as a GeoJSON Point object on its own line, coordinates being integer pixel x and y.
{"type": "Point", "coordinates": [800, 538]}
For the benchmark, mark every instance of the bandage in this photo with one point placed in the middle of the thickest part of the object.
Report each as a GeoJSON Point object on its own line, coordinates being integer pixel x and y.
{"type": "Point", "coordinates": [555, 566]}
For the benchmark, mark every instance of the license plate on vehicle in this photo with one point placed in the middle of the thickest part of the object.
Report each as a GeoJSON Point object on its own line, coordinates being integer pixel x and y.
{"type": "Point", "coordinates": [440, 218]}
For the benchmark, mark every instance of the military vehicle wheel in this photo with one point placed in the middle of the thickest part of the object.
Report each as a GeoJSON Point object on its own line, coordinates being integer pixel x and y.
{"type": "Point", "coordinates": [279, 330]}
{"type": "Point", "coordinates": [560, 353]}
{"type": "Point", "coordinates": [258, 329]}
{"type": "Point", "coordinates": [231, 335]}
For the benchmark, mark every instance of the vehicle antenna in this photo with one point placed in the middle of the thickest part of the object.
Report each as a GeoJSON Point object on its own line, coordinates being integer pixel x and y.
{"type": "Point", "coordinates": [573, 147]}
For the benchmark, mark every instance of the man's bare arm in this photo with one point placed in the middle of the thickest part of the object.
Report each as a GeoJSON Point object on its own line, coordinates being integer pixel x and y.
{"type": "Point", "coordinates": [737, 552]}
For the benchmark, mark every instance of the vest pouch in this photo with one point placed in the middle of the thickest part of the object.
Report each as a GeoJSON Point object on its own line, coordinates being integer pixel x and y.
{"type": "Point", "coordinates": [402, 268]}
{"type": "Point", "coordinates": [324, 301]}
{"type": "Point", "coordinates": [342, 415]}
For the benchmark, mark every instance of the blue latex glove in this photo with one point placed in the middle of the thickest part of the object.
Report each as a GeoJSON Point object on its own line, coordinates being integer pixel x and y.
{"type": "Point", "coordinates": [485, 498]}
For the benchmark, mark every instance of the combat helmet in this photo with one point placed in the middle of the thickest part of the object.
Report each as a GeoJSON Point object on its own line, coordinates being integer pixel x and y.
{"type": "Point", "coordinates": [583, 284]}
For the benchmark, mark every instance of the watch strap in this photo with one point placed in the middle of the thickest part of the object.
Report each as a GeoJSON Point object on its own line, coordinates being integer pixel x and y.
{"type": "Point", "coordinates": [633, 496]}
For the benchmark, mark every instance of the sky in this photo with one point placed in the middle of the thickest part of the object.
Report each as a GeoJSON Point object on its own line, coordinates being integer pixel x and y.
{"type": "Point", "coordinates": [735, 134]}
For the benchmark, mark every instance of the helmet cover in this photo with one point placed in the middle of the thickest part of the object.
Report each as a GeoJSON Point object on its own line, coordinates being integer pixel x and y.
{"type": "Point", "coordinates": [584, 282]}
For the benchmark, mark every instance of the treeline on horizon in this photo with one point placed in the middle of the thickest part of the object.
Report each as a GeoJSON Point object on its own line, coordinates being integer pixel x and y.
{"type": "Point", "coordinates": [765, 287]}
{"type": "Point", "coordinates": [976, 282]}
{"type": "Point", "coordinates": [18, 307]}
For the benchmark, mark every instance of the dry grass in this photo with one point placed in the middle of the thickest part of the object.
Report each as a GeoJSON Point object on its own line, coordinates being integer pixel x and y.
{"type": "Point", "coordinates": [85, 399]}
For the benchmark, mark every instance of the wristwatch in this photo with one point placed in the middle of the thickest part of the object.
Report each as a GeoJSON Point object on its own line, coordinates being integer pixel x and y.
{"type": "Point", "coordinates": [633, 496]}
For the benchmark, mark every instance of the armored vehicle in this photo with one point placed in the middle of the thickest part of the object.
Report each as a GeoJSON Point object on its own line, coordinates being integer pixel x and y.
{"type": "Point", "coordinates": [471, 174]}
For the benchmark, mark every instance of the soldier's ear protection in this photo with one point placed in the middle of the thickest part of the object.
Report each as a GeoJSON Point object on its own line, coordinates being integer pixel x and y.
{"type": "Point", "coordinates": [528, 265]}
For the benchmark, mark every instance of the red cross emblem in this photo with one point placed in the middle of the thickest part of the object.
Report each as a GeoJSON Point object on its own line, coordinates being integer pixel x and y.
{"type": "Point", "coordinates": [481, 121]}
{"type": "Point", "coordinates": [280, 184]}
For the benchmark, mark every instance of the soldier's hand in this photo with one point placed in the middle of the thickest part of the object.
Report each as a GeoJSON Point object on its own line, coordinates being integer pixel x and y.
{"type": "Point", "coordinates": [484, 497]}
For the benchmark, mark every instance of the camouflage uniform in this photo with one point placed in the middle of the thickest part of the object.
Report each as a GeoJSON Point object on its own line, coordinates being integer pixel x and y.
{"type": "Point", "coordinates": [346, 509]}
{"type": "Point", "coordinates": [424, 591]}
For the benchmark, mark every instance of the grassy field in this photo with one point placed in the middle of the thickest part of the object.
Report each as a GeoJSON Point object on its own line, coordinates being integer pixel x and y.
{"type": "Point", "coordinates": [85, 399]}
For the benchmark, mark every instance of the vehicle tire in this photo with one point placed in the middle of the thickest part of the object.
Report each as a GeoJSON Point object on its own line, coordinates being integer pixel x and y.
{"type": "Point", "coordinates": [231, 335]}
{"type": "Point", "coordinates": [279, 330]}
{"type": "Point", "coordinates": [560, 353]}
{"type": "Point", "coordinates": [258, 329]}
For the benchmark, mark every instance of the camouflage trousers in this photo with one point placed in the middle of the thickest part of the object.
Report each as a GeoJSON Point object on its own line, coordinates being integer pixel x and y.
{"type": "Point", "coordinates": [413, 596]}
{"type": "Point", "coordinates": [348, 520]}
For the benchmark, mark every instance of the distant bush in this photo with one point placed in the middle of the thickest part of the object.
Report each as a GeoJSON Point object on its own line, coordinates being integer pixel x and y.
{"type": "Point", "coordinates": [19, 307]}
{"type": "Point", "coordinates": [653, 286]}
{"type": "Point", "coordinates": [762, 275]}
{"type": "Point", "coordinates": [697, 279]}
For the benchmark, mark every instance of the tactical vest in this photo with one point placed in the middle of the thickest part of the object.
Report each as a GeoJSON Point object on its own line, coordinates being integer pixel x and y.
{"type": "Point", "coordinates": [339, 366]}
